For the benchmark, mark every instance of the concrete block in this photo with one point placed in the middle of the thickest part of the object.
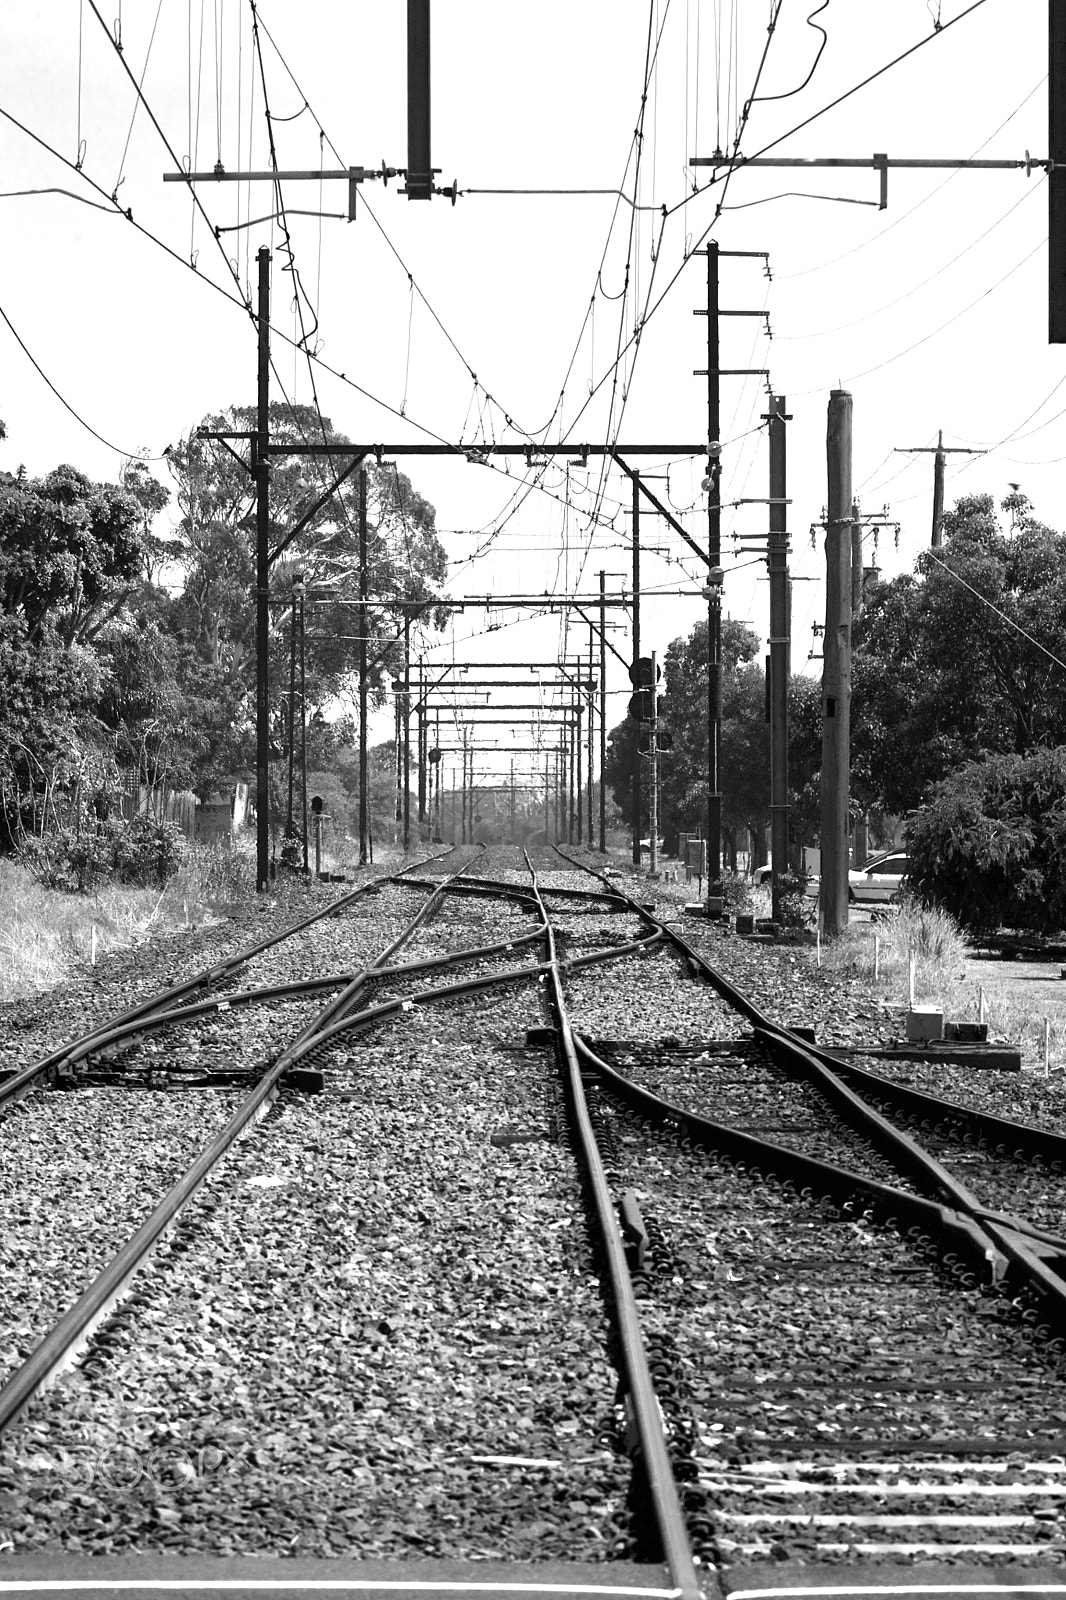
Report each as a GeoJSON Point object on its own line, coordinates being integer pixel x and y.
{"type": "Point", "coordinates": [925, 1023]}
{"type": "Point", "coordinates": [966, 1032]}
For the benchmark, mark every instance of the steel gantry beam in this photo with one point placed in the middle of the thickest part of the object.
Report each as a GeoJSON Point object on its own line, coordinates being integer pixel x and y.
{"type": "Point", "coordinates": [262, 449]}
{"type": "Point", "coordinates": [879, 161]}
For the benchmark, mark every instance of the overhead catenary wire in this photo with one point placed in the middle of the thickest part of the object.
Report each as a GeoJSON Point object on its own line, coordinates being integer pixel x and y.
{"type": "Point", "coordinates": [136, 104]}
{"type": "Point", "coordinates": [889, 305]}
{"type": "Point", "coordinates": [864, 244]}
{"type": "Point", "coordinates": [402, 407]}
{"type": "Point", "coordinates": [932, 334]}
{"type": "Point", "coordinates": [31, 358]}
{"type": "Point", "coordinates": [832, 104]}
{"type": "Point", "coordinates": [932, 555]}
{"type": "Point", "coordinates": [239, 299]}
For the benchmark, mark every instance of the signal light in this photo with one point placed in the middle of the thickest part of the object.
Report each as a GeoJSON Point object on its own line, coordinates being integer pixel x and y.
{"type": "Point", "coordinates": [640, 673]}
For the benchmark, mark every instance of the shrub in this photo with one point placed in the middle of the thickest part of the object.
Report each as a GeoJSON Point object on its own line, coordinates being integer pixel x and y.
{"type": "Point", "coordinates": [736, 892]}
{"type": "Point", "coordinates": [991, 846]}
{"type": "Point", "coordinates": [147, 852]}
{"type": "Point", "coordinates": [795, 908]}
{"type": "Point", "coordinates": [142, 852]}
{"type": "Point", "coordinates": [211, 879]}
{"type": "Point", "coordinates": [69, 861]}
{"type": "Point", "coordinates": [909, 929]}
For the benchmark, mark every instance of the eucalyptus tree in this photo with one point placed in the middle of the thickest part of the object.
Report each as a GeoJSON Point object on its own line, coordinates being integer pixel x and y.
{"type": "Point", "coordinates": [964, 658]}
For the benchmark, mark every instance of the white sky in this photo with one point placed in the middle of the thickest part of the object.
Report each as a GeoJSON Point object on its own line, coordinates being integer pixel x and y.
{"type": "Point", "coordinates": [933, 313]}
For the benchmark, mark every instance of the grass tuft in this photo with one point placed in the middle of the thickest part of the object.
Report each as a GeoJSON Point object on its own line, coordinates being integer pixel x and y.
{"type": "Point", "coordinates": [879, 954]}
{"type": "Point", "coordinates": [46, 934]}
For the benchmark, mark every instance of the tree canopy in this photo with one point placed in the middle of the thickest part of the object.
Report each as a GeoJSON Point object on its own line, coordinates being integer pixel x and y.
{"type": "Point", "coordinates": [991, 844]}
{"type": "Point", "coordinates": [127, 653]}
{"type": "Point", "coordinates": [70, 553]}
{"type": "Point", "coordinates": [958, 660]}
{"type": "Point", "coordinates": [745, 741]}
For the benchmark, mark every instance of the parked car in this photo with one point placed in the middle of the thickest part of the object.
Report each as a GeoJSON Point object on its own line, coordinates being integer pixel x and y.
{"type": "Point", "coordinates": [880, 879]}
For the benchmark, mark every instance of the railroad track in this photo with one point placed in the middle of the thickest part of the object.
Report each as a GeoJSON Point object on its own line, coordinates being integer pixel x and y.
{"type": "Point", "coordinates": [826, 1341]}
{"type": "Point", "coordinates": [861, 1364]}
{"type": "Point", "coordinates": [432, 1414]}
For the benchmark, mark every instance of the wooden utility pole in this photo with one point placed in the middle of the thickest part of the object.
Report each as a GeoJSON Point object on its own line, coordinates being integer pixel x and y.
{"type": "Point", "coordinates": [653, 766]}
{"type": "Point", "coordinates": [939, 451]}
{"type": "Point", "coordinates": [406, 729]}
{"type": "Point", "coordinates": [714, 582]}
{"type": "Point", "coordinates": [635, 800]}
{"type": "Point", "coordinates": [836, 668]}
{"type": "Point", "coordinates": [423, 744]}
{"type": "Point", "coordinates": [364, 591]}
{"type": "Point", "coordinates": [290, 815]}
{"type": "Point", "coordinates": [419, 164]}
{"type": "Point", "coordinates": [261, 468]}
{"type": "Point", "coordinates": [603, 711]}
{"type": "Point", "coordinates": [303, 724]}
{"type": "Point", "coordinates": [856, 561]}
{"type": "Point", "coordinates": [777, 565]}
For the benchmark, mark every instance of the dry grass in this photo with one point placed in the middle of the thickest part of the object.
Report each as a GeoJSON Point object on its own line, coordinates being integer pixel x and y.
{"type": "Point", "coordinates": [46, 935]}
{"type": "Point", "coordinates": [879, 953]}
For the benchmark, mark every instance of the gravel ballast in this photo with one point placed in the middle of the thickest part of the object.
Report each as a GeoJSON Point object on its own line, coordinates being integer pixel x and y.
{"type": "Point", "coordinates": [377, 1331]}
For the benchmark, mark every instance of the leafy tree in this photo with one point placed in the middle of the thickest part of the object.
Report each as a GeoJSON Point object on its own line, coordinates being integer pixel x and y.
{"type": "Point", "coordinates": [955, 662]}
{"type": "Point", "coordinates": [70, 553]}
{"type": "Point", "coordinates": [745, 744]}
{"type": "Point", "coordinates": [152, 498]}
{"type": "Point", "coordinates": [991, 845]}
{"type": "Point", "coordinates": [46, 732]}
{"type": "Point", "coordinates": [216, 535]}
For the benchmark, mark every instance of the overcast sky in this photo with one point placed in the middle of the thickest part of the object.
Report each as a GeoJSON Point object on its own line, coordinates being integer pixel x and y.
{"type": "Point", "coordinates": [933, 312]}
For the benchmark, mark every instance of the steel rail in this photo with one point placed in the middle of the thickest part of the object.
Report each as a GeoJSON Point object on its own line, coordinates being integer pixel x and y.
{"type": "Point", "coordinates": [809, 1171]}
{"type": "Point", "coordinates": [1013, 1238]}
{"type": "Point", "coordinates": [647, 1416]}
{"type": "Point", "coordinates": [1034, 1140]}
{"type": "Point", "coordinates": [76, 1325]}
{"type": "Point", "coordinates": [344, 1002]}
{"type": "Point", "coordinates": [19, 1084]}
{"type": "Point", "coordinates": [182, 1015]}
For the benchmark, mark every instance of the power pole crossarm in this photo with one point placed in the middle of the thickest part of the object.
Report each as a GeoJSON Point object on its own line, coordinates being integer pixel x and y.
{"type": "Point", "coordinates": [938, 451]}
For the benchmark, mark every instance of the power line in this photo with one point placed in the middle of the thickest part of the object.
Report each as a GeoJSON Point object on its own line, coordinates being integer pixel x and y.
{"type": "Point", "coordinates": [129, 454]}
{"type": "Point", "coordinates": [899, 354]}
{"type": "Point", "coordinates": [993, 607]}
{"type": "Point", "coordinates": [821, 333]}
{"type": "Point", "coordinates": [796, 128]}
{"type": "Point", "coordinates": [821, 266]}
